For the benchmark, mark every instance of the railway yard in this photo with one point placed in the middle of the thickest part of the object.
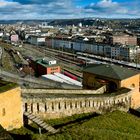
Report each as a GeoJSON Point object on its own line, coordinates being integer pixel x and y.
{"type": "Point", "coordinates": [14, 59]}
{"type": "Point", "coordinates": [15, 64]}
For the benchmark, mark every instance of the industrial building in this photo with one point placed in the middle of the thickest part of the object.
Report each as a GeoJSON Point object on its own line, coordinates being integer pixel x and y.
{"type": "Point", "coordinates": [45, 66]}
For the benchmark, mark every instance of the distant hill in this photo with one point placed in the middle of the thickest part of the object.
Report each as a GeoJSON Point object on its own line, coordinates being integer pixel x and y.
{"type": "Point", "coordinates": [64, 22]}
{"type": "Point", "coordinates": [112, 23]}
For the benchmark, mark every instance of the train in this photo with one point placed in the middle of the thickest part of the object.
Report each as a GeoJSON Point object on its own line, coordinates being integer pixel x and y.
{"type": "Point", "coordinates": [74, 59]}
{"type": "Point", "coordinates": [109, 60]}
{"type": "Point", "coordinates": [70, 75]}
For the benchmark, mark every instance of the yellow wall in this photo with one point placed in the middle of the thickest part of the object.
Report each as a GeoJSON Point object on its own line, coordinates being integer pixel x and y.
{"type": "Point", "coordinates": [11, 115]}
{"type": "Point", "coordinates": [135, 100]}
{"type": "Point", "coordinates": [129, 81]}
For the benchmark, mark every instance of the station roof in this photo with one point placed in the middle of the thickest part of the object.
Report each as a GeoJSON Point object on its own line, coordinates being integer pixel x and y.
{"type": "Point", "coordinates": [45, 64]}
{"type": "Point", "coordinates": [111, 71]}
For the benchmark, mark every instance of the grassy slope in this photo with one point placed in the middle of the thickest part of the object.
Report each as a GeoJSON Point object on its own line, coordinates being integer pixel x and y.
{"type": "Point", "coordinates": [112, 126]}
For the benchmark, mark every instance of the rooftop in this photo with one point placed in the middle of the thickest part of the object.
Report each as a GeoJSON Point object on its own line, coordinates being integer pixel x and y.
{"type": "Point", "coordinates": [111, 71]}
{"type": "Point", "coordinates": [40, 61]}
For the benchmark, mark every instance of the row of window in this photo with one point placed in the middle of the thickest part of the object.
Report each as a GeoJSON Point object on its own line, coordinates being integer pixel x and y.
{"type": "Point", "coordinates": [54, 68]}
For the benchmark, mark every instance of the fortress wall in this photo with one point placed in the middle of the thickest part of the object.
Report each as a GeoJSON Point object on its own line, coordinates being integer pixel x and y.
{"type": "Point", "coordinates": [59, 91]}
{"type": "Point", "coordinates": [61, 107]}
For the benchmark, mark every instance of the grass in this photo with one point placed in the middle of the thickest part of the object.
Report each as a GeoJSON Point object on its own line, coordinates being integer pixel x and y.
{"type": "Point", "coordinates": [5, 45]}
{"type": "Point", "coordinates": [4, 85]}
{"type": "Point", "coordinates": [111, 126]}
{"type": "Point", "coordinates": [7, 63]}
{"type": "Point", "coordinates": [4, 134]}
{"type": "Point", "coordinates": [117, 125]}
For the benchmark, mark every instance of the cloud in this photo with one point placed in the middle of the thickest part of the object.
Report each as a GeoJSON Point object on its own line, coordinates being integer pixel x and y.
{"type": "Point", "coordinates": [107, 3]}
{"type": "Point", "coordinates": [33, 1]}
{"type": "Point", "coordinates": [106, 7]}
{"type": "Point", "coordinates": [44, 9]}
{"type": "Point", "coordinates": [4, 3]}
{"type": "Point", "coordinates": [53, 9]}
{"type": "Point", "coordinates": [24, 2]}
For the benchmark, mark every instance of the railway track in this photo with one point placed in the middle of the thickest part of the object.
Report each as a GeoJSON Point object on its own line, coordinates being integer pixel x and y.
{"type": "Point", "coordinates": [63, 62]}
{"type": "Point", "coordinates": [58, 51]}
{"type": "Point", "coordinates": [33, 82]}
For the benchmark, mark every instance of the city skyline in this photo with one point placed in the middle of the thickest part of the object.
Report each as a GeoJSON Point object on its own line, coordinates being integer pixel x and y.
{"type": "Point", "coordinates": [63, 9]}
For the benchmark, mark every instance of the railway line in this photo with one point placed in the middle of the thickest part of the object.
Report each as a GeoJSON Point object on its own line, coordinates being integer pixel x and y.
{"type": "Point", "coordinates": [65, 63]}
{"type": "Point", "coordinates": [79, 74]}
{"type": "Point", "coordinates": [99, 58]}
{"type": "Point", "coordinates": [87, 56]}
{"type": "Point", "coordinates": [31, 81]}
{"type": "Point", "coordinates": [58, 51]}
{"type": "Point", "coordinates": [94, 58]}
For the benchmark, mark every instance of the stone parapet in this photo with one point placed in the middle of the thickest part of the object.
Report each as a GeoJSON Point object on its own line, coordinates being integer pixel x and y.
{"type": "Point", "coordinates": [60, 106]}
{"type": "Point", "coordinates": [59, 91]}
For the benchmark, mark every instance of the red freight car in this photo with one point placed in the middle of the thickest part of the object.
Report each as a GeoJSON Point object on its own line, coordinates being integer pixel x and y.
{"type": "Point", "coordinates": [70, 75]}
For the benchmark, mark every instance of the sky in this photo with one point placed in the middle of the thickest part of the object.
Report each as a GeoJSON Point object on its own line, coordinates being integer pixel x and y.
{"type": "Point", "coordinates": [65, 9]}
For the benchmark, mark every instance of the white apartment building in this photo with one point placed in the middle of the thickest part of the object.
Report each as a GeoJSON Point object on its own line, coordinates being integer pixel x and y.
{"type": "Point", "coordinates": [120, 52]}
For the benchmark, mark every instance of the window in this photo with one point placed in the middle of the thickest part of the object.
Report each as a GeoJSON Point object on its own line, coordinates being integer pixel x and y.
{"type": "Point", "coordinates": [37, 107]}
{"type": "Point", "coordinates": [3, 112]}
{"type": "Point", "coordinates": [70, 104]}
{"type": "Point", "coordinates": [52, 106]}
{"type": "Point", "coordinates": [59, 107]}
{"type": "Point", "coordinates": [53, 69]}
{"type": "Point", "coordinates": [45, 107]}
{"type": "Point", "coordinates": [65, 105]}
{"type": "Point", "coordinates": [133, 85]}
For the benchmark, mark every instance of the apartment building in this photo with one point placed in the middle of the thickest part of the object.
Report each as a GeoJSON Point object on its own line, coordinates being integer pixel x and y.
{"type": "Point", "coordinates": [124, 39]}
{"type": "Point", "coordinates": [117, 51]}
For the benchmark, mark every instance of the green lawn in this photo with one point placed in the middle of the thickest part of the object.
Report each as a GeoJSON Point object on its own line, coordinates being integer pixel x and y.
{"type": "Point", "coordinates": [112, 126]}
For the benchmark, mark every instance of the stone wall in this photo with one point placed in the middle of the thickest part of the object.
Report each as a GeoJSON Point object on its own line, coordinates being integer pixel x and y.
{"type": "Point", "coordinates": [50, 107]}
{"type": "Point", "coordinates": [61, 91]}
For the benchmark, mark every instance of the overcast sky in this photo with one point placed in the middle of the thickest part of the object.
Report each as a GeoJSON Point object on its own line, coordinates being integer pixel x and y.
{"type": "Point", "coordinates": [56, 9]}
